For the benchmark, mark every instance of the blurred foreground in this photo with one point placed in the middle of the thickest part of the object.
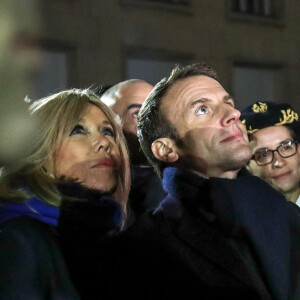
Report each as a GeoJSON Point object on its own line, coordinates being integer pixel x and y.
{"type": "Point", "coordinates": [19, 62]}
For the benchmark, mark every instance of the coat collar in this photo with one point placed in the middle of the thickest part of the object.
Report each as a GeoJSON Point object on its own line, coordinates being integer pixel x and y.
{"type": "Point", "coordinates": [245, 206]}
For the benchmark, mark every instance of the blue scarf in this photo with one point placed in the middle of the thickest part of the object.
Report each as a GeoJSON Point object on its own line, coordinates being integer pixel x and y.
{"type": "Point", "coordinates": [33, 208]}
{"type": "Point", "coordinates": [95, 210]}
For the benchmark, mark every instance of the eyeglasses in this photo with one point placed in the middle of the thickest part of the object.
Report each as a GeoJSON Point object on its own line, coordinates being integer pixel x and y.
{"type": "Point", "coordinates": [266, 156]}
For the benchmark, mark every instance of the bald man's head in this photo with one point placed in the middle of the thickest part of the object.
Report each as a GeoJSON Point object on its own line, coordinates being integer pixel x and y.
{"type": "Point", "coordinates": [126, 99]}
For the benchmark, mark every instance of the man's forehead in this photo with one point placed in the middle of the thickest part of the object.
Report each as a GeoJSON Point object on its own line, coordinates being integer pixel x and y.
{"type": "Point", "coordinates": [133, 93]}
{"type": "Point", "coordinates": [139, 89]}
{"type": "Point", "coordinates": [185, 91]}
{"type": "Point", "coordinates": [194, 85]}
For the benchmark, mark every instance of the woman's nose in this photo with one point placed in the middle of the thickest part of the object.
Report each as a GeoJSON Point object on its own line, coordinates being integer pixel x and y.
{"type": "Point", "coordinates": [100, 142]}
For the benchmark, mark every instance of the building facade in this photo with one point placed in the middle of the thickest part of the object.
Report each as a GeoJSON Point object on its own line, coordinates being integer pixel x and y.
{"type": "Point", "coordinates": [253, 44]}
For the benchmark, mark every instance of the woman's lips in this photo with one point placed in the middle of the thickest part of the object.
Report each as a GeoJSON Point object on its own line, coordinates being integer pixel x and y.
{"type": "Point", "coordinates": [107, 163]}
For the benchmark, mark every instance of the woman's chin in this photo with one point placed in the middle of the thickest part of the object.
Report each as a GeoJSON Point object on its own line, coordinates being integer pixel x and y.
{"type": "Point", "coordinates": [101, 188]}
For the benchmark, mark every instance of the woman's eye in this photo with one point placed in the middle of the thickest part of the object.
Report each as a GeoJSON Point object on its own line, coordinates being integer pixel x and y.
{"type": "Point", "coordinates": [108, 131]}
{"type": "Point", "coordinates": [202, 110]}
{"type": "Point", "coordinates": [78, 129]}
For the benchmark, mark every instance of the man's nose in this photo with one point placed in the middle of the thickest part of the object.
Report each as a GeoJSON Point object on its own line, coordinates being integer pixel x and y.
{"type": "Point", "coordinates": [231, 115]}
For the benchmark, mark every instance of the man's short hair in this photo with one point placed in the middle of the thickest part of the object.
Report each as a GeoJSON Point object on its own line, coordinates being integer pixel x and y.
{"type": "Point", "coordinates": [152, 123]}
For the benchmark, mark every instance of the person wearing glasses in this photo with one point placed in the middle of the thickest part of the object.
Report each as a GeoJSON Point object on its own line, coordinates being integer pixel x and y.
{"type": "Point", "coordinates": [273, 131]}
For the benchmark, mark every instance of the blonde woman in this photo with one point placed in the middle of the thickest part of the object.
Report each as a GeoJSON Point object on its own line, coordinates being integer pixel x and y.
{"type": "Point", "coordinates": [78, 156]}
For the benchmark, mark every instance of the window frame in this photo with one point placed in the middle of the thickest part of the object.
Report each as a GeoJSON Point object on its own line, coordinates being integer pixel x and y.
{"type": "Point", "coordinates": [152, 4]}
{"type": "Point", "coordinates": [276, 19]}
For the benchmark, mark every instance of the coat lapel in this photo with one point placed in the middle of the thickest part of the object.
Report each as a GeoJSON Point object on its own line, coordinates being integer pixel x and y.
{"type": "Point", "coordinates": [263, 216]}
{"type": "Point", "coordinates": [245, 206]}
{"type": "Point", "coordinates": [209, 243]}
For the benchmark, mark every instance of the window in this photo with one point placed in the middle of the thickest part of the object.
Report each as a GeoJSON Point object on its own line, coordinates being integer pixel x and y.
{"type": "Point", "coordinates": [150, 70]}
{"type": "Point", "coordinates": [53, 74]}
{"type": "Point", "coordinates": [152, 65]}
{"type": "Point", "coordinates": [258, 11]}
{"type": "Point", "coordinates": [257, 83]}
{"type": "Point", "coordinates": [264, 8]}
{"type": "Point", "coordinates": [171, 2]}
{"type": "Point", "coordinates": [180, 6]}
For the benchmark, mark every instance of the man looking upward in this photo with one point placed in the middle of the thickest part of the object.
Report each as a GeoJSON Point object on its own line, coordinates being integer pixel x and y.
{"type": "Point", "coordinates": [214, 236]}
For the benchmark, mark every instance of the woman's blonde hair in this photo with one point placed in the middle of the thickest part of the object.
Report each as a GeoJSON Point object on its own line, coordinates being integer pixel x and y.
{"type": "Point", "coordinates": [57, 115]}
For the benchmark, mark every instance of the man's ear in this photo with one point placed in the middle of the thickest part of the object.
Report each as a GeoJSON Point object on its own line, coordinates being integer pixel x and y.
{"type": "Point", "coordinates": [164, 149]}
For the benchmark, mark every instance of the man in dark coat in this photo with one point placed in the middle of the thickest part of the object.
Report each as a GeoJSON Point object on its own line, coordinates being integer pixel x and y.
{"type": "Point", "coordinates": [213, 236]}
{"type": "Point", "coordinates": [126, 99]}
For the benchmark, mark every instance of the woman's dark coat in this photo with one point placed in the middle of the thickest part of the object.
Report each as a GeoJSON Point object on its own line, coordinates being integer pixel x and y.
{"type": "Point", "coordinates": [31, 262]}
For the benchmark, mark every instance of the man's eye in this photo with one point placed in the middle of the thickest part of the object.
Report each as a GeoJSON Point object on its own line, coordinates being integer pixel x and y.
{"type": "Point", "coordinates": [78, 129]}
{"type": "Point", "coordinates": [108, 131]}
{"type": "Point", "coordinates": [135, 114]}
{"type": "Point", "coordinates": [231, 104]}
{"type": "Point", "coordinates": [202, 110]}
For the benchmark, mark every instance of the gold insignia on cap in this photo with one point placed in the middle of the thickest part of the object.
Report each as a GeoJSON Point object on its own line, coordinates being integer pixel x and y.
{"type": "Point", "coordinates": [249, 130]}
{"type": "Point", "coordinates": [289, 116]}
{"type": "Point", "coordinates": [261, 108]}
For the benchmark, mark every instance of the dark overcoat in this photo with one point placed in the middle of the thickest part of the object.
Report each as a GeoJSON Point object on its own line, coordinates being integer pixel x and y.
{"type": "Point", "coordinates": [209, 239]}
{"type": "Point", "coordinates": [31, 262]}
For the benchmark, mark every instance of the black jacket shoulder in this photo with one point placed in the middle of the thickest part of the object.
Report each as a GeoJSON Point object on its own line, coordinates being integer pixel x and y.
{"type": "Point", "coordinates": [31, 262]}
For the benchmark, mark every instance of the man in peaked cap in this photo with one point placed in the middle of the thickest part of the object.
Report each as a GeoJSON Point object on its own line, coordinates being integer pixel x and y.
{"type": "Point", "coordinates": [273, 131]}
